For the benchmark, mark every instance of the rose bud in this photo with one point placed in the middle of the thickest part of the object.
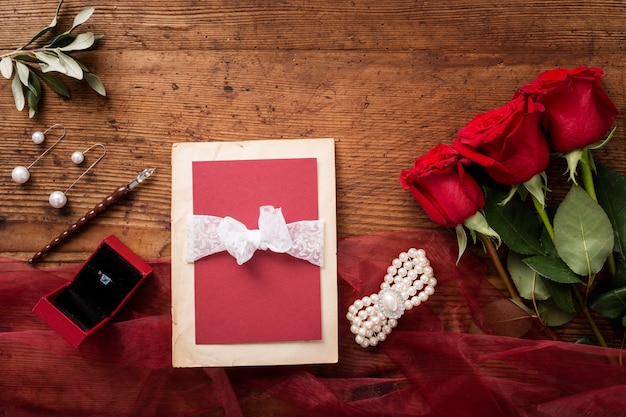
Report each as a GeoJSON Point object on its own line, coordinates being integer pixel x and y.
{"type": "Point", "coordinates": [578, 111]}
{"type": "Point", "coordinates": [439, 183]}
{"type": "Point", "coordinates": [507, 142]}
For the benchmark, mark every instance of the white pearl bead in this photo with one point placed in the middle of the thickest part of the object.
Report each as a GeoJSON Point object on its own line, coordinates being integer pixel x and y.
{"type": "Point", "coordinates": [359, 339]}
{"type": "Point", "coordinates": [403, 256]}
{"type": "Point", "coordinates": [57, 199]}
{"type": "Point", "coordinates": [358, 304]}
{"type": "Point", "coordinates": [354, 329]}
{"type": "Point", "coordinates": [416, 301]}
{"type": "Point", "coordinates": [78, 157]}
{"type": "Point", "coordinates": [367, 300]}
{"type": "Point", "coordinates": [432, 282]}
{"type": "Point", "coordinates": [429, 290]}
{"type": "Point", "coordinates": [38, 137]}
{"type": "Point", "coordinates": [397, 263]}
{"type": "Point", "coordinates": [352, 309]}
{"type": "Point", "coordinates": [20, 174]}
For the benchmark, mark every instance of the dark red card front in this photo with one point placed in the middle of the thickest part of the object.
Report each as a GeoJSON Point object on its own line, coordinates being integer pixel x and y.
{"type": "Point", "coordinates": [273, 296]}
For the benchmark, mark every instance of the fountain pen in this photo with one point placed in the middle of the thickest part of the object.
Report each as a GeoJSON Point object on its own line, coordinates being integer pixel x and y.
{"type": "Point", "coordinates": [108, 201]}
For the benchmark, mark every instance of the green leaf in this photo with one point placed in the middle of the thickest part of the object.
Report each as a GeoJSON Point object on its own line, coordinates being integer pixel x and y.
{"type": "Point", "coordinates": [611, 304]}
{"type": "Point", "coordinates": [528, 283]}
{"type": "Point", "coordinates": [552, 315]}
{"type": "Point", "coordinates": [95, 83]}
{"type": "Point", "coordinates": [552, 268]}
{"type": "Point", "coordinates": [18, 93]}
{"type": "Point", "coordinates": [6, 67]}
{"type": "Point", "coordinates": [22, 72]}
{"type": "Point", "coordinates": [562, 295]}
{"type": "Point", "coordinates": [47, 28]}
{"type": "Point", "coordinates": [27, 58]}
{"type": "Point", "coordinates": [611, 191]}
{"type": "Point", "coordinates": [50, 62]}
{"type": "Point", "coordinates": [33, 101]}
{"type": "Point", "coordinates": [82, 17]}
{"type": "Point", "coordinates": [583, 233]}
{"type": "Point", "coordinates": [81, 42]}
{"type": "Point", "coordinates": [536, 187]}
{"type": "Point", "coordinates": [53, 83]}
{"type": "Point", "coordinates": [461, 240]}
{"type": "Point", "coordinates": [72, 68]}
{"type": "Point", "coordinates": [515, 222]}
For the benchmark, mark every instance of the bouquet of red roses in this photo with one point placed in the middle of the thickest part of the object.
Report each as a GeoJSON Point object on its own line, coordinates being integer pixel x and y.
{"type": "Point", "coordinates": [492, 182]}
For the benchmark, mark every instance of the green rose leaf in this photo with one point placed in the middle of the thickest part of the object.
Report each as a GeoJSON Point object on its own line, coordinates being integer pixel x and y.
{"type": "Point", "coordinates": [611, 304]}
{"type": "Point", "coordinates": [514, 222]}
{"type": "Point", "coordinates": [611, 192]}
{"type": "Point", "coordinates": [552, 268]}
{"type": "Point", "coordinates": [528, 283]}
{"type": "Point", "coordinates": [561, 295]}
{"type": "Point", "coordinates": [583, 233]}
{"type": "Point", "coordinates": [552, 315]}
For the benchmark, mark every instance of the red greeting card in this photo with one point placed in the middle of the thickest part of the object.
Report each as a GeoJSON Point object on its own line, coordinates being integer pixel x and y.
{"type": "Point", "coordinates": [274, 308]}
{"type": "Point", "coordinates": [272, 297]}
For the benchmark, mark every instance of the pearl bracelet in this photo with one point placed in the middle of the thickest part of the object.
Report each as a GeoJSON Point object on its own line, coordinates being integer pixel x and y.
{"type": "Point", "coordinates": [408, 283]}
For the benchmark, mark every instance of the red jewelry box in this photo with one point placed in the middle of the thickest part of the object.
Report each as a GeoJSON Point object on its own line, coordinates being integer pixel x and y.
{"type": "Point", "coordinates": [111, 274]}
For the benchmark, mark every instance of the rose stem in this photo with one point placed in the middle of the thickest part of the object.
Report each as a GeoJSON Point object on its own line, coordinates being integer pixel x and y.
{"type": "Point", "coordinates": [493, 254]}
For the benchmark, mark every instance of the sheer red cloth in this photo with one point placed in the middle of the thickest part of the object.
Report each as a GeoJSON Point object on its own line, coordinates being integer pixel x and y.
{"type": "Point", "coordinates": [465, 352]}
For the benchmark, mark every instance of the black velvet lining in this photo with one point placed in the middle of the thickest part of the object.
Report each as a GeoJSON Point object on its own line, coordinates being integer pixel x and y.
{"type": "Point", "coordinates": [90, 298]}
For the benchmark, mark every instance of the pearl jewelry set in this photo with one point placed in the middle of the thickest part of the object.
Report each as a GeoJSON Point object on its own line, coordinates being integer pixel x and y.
{"type": "Point", "coordinates": [408, 283]}
{"type": "Point", "coordinates": [57, 199]}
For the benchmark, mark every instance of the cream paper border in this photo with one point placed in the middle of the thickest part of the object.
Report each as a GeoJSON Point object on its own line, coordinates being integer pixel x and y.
{"type": "Point", "coordinates": [185, 352]}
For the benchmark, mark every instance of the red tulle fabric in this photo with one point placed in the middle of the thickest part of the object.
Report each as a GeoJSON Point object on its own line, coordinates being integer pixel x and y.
{"type": "Point", "coordinates": [468, 351]}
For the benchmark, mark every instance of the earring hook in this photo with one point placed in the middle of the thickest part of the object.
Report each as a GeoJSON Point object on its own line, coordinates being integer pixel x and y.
{"type": "Point", "coordinates": [58, 199]}
{"type": "Point", "coordinates": [52, 146]}
{"type": "Point", "coordinates": [20, 174]}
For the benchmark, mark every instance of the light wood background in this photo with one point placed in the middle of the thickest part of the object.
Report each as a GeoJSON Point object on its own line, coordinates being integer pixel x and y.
{"type": "Point", "coordinates": [387, 79]}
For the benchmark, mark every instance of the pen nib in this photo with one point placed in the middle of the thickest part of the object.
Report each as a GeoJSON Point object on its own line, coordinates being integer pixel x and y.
{"type": "Point", "coordinates": [143, 175]}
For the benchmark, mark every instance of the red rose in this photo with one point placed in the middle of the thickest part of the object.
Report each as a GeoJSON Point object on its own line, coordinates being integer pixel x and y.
{"type": "Point", "coordinates": [507, 142]}
{"type": "Point", "coordinates": [440, 185]}
{"type": "Point", "coordinates": [578, 110]}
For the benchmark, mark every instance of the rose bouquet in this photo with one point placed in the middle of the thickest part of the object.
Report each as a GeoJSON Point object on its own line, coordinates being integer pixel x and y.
{"type": "Point", "coordinates": [564, 255]}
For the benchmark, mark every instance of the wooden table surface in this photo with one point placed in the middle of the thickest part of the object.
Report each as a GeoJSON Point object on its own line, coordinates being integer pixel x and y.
{"type": "Point", "coordinates": [388, 80]}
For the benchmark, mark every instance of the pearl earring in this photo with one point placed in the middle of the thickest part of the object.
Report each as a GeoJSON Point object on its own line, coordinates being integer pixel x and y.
{"type": "Point", "coordinates": [21, 174]}
{"type": "Point", "coordinates": [58, 199]}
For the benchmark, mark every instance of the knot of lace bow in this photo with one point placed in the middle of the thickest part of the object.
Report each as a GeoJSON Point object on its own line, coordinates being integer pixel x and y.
{"type": "Point", "coordinates": [207, 235]}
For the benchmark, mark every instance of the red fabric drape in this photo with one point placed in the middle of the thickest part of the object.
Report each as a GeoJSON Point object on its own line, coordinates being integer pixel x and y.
{"type": "Point", "coordinates": [448, 357]}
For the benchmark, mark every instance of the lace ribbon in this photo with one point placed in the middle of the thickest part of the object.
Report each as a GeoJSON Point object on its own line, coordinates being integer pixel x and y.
{"type": "Point", "coordinates": [207, 235]}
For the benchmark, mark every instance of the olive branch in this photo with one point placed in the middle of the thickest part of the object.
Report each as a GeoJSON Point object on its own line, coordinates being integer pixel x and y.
{"type": "Point", "coordinates": [28, 66]}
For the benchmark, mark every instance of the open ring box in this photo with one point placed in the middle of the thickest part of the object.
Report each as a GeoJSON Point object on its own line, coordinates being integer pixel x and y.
{"type": "Point", "coordinates": [108, 278]}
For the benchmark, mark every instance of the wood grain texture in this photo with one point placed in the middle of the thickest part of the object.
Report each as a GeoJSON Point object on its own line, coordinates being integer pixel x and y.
{"type": "Point", "coordinates": [387, 80]}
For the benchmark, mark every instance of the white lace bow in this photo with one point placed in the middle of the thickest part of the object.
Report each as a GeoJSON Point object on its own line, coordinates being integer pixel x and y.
{"type": "Point", "coordinates": [207, 235]}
